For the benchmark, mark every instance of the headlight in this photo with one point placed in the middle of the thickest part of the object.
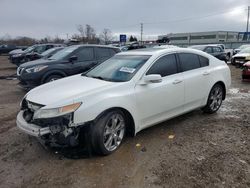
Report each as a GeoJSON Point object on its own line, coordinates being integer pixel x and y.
{"type": "Point", "coordinates": [55, 112]}
{"type": "Point", "coordinates": [36, 69]}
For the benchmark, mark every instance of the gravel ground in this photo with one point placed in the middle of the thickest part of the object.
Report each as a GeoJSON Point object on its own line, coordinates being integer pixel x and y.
{"type": "Point", "coordinates": [193, 150]}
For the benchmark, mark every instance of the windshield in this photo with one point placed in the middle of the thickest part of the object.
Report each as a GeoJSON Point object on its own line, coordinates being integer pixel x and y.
{"type": "Point", "coordinates": [244, 46]}
{"type": "Point", "coordinates": [63, 53]}
{"type": "Point", "coordinates": [120, 68]}
{"type": "Point", "coordinates": [246, 50]}
{"type": "Point", "coordinates": [47, 52]}
{"type": "Point", "coordinates": [29, 49]}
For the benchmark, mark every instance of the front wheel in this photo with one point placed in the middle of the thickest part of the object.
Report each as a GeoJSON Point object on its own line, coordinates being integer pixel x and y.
{"type": "Point", "coordinates": [214, 99]}
{"type": "Point", "coordinates": [108, 132]}
{"type": "Point", "coordinates": [52, 78]}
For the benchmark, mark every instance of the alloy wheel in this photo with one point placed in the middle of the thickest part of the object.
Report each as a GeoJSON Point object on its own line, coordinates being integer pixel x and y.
{"type": "Point", "coordinates": [114, 132]}
{"type": "Point", "coordinates": [216, 98]}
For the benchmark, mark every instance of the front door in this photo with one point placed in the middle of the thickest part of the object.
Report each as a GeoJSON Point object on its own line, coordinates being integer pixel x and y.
{"type": "Point", "coordinates": [157, 102]}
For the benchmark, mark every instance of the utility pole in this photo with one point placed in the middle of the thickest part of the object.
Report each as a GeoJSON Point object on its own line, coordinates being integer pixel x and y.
{"type": "Point", "coordinates": [248, 12]}
{"type": "Point", "coordinates": [141, 32]}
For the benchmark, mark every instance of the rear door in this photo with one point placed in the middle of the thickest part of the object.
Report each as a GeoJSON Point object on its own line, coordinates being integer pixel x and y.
{"type": "Point", "coordinates": [102, 54]}
{"type": "Point", "coordinates": [196, 78]}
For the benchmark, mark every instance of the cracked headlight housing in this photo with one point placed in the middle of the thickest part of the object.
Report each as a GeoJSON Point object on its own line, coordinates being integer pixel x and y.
{"type": "Point", "coordinates": [36, 68]}
{"type": "Point", "coordinates": [55, 112]}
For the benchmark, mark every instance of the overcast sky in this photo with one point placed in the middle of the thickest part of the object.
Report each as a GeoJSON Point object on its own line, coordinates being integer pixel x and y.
{"type": "Point", "coordinates": [39, 18]}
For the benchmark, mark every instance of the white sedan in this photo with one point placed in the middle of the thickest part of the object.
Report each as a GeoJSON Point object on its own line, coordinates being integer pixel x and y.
{"type": "Point", "coordinates": [127, 93]}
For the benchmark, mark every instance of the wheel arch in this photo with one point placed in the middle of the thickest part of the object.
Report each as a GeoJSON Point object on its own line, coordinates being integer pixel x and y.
{"type": "Point", "coordinates": [223, 87]}
{"type": "Point", "coordinates": [131, 123]}
{"type": "Point", "coordinates": [53, 72]}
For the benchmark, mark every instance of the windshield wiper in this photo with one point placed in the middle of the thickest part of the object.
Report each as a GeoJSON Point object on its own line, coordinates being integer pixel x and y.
{"type": "Point", "coordinates": [98, 77]}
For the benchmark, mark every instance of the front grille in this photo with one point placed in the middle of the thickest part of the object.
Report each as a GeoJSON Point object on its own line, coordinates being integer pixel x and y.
{"type": "Point", "coordinates": [60, 121]}
{"type": "Point", "coordinates": [239, 58]}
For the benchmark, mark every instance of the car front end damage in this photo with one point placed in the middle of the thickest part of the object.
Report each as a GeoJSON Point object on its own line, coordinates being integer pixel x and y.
{"type": "Point", "coordinates": [53, 131]}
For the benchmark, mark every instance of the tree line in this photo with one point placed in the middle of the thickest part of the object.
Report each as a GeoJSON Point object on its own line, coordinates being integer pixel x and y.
{"type": "Point", "coordinates": [85, 34]}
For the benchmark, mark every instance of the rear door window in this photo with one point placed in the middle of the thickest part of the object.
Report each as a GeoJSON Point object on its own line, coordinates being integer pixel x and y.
{"type": "Point", "coordinates": [85, 54]}
{"type": "Point", "coordinates": [189, 61]}
{"type": "Point", "coordinates": [203, 61]}
{"type": "Point", "coordinates": [102, 53]}
{"type": "Point", "coordinates": [164, 66]}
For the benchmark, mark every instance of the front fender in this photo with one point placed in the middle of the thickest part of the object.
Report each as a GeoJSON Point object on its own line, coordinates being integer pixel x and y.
{"type": "Point", "coordinates": [90, 110]}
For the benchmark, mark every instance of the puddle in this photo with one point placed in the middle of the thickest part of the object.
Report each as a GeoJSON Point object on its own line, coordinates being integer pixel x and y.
{"type": "Point", "coordinates": [236, 93]}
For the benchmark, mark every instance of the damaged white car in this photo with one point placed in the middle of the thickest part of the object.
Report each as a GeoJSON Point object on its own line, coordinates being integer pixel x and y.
{"type": "Point", "coordinates": [127, 93]}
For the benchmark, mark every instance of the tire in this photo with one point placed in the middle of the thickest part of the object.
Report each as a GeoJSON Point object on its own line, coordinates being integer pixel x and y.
{"type": "Point", "coordinates": [214, 100]}
{"type": "Point", "coordinates": [227, 57]}
{"type": "Point", "coordinates": [107, 133]}
{"type": "Point", "coordinates": [52, 78]}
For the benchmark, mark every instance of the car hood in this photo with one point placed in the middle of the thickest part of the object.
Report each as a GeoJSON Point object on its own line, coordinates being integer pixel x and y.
{"type": "Point", "coordinates": [242, 55]}
{"type": "Point", "coordinates": [36, 62]}
{"type": "Point", "coordinates": [66, 90]}
{"type": "Point", "coordinates": [17, 51]}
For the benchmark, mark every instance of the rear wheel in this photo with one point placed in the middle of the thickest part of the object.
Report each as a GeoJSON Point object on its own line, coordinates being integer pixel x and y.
{"type": "Point", "coordinates": [108, 132]}
{"type": "Point", "coordinates": [52, 78]}
{"type": "Point", "coordinates": [214, 99]}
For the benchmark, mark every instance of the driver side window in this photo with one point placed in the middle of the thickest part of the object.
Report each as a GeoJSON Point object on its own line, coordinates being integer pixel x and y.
{"type": "Point", "coordinates": [164, 66]}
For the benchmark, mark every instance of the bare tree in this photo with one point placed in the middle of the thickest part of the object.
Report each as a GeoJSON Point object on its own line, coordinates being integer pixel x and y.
{"type": "Point", "coordinates": [106, 36]}
{"type": "Point", "coordinates": [82, 32]}
{"type": "Point", "coordinates": [90, 33]}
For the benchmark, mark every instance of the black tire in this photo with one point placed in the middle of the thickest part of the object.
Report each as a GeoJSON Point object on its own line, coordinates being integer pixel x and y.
{"type": "Point", "coordinates": [228, 57]}
{"type": "Point", "coordinates": [214, 100]}
{"type": "Point", "coordinates": [99, 142]}
{"type": "Point", "coordinates": [52, 78]}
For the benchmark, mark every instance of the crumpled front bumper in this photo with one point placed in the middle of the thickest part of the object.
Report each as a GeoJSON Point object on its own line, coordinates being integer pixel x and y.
{"type": "Point", "coordinates": [29, 128]}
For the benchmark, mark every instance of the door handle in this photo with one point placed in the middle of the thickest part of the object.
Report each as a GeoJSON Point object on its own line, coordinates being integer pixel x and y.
{"type": "Point", "coordinates": [177, 81]}
{"type": "Point", "coordinates": [205, 73]}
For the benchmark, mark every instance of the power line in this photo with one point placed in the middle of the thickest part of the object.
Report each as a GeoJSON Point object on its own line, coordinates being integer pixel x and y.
{"type": "Point", "coordinates": [193, 18]}
{"type": "Point", "coordinates": [185, 19]}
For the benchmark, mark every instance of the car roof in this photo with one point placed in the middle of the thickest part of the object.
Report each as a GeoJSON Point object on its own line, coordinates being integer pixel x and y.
{"type": "Point", "coordinates": [207, 45]}
{"type": "Point", "coordinates": [94, 45]}
{"type": "Point", "coordinates": [159, 51]}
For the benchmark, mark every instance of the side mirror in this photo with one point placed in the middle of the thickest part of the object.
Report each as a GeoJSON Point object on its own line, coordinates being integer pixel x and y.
{"type": "Point", "coordinates": [72, 59]}
{"type": "Point", "coordinates": [152, 78]}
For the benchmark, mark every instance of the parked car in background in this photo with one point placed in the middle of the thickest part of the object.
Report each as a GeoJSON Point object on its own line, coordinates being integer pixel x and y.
{"type": "Point", "coordinates": [68, 61]}
{"type": "Point", "coordinates": [213, 50]}
{"type": "Point", "coordinates": [246, 71]}
{"type": "Point", "coordinates": [5, 49]}
{"type": "Point", "coordinates": [31, 53]}
{"type": "Point", "coordinates": [165, 46]}
{"type": "Point", "coordinates": [127, 93]}
{"type": "Point", "coordinates": [241, 58]}
{"type": "Point", "coordinates": [124, 48]}
{"type": "Point", "coordinates": [48, 53]}
{"type": "Point", "coordinates": [135, 45]}
{"type": "Point", "coordinates": [242, 47]}
{"type": "Point", "coordinates": [229, 52]}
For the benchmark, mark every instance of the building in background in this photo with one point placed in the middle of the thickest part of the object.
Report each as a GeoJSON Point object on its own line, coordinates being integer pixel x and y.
{"type": "Point", "coordinates": [211, 37]}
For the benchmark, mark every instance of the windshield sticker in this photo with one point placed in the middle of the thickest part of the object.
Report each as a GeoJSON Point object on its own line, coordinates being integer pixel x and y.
{"type": "Point", "coordinates": [128, 70]}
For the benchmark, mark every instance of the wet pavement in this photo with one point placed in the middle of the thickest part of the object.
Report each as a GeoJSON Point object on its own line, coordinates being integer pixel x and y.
{"type": "Point", "coordinates": [193, 150]}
